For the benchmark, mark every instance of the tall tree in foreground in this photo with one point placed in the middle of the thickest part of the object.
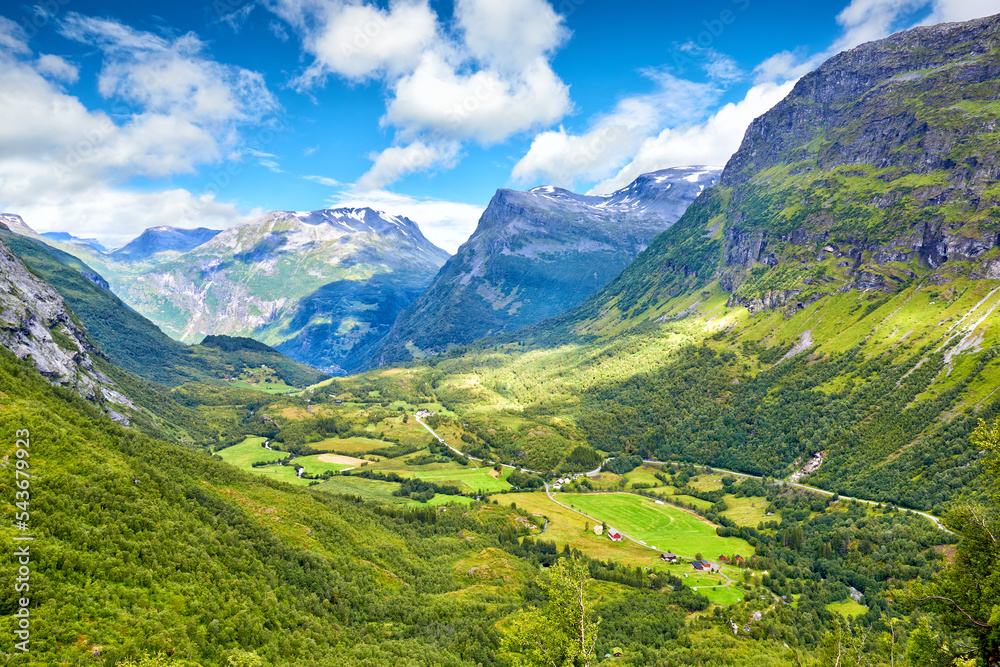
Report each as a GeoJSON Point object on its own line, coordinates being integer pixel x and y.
{"type": "Point", "coordinates": [563, 633]}
{"type": "Point", "coordinates": [966, 595]}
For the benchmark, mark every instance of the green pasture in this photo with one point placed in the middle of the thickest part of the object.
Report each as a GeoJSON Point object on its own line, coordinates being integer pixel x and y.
{"type": "Point", "coordinates": [666, 527]}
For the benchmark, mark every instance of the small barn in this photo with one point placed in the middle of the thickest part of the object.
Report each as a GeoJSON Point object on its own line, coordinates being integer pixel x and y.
{"type": "Point", "coordinates": [614, 535]}
{"type": "Point", "coordinates": [669, 557]}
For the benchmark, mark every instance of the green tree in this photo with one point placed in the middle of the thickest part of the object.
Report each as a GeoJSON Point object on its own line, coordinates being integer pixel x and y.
{"type": "Point", "coordinates": [966, 596]}
{"type": "Point", "coordinates": [561, 634]}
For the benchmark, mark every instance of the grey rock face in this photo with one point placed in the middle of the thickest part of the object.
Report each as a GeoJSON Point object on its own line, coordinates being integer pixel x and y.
{"type": "Point", "coordinates": [35, 325]}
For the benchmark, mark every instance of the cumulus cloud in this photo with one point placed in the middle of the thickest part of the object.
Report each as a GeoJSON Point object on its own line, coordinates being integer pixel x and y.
{"type": "Point", "coordinates": [483, 78]}
{"type": "Point", "coordinates": [946, 11]}
{"type": "Point", "coordinates": [398, 161]}
{"type": "Point", "coordinates": [867, 20]}
{"type": "Point", "coordinates": [564, 159]}
{"type": "Point", "coordinates": [57, 68]}
{"type": "Point", "coordinates": [174, 109]}
{"type": "Point", "coordinates": [711, 142]}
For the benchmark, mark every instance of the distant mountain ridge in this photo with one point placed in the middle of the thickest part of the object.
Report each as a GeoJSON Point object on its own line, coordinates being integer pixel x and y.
{"type": "Point", "coordinates": [536, 254]}
{"type": "Point", "coordinates": [66, 237]}
{"type": "Point", "coordinates": [163, 239]}
{"type": "Point", "coordinates": [321, 286]}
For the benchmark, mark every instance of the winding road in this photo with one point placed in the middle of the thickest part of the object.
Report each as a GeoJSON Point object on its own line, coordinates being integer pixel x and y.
{"type": "Point", "coordinates": [933, 519]}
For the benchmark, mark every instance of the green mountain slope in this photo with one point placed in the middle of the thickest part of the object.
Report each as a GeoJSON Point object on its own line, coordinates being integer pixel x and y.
{"type": "Point", "coordinates": [834, 295]}
{"type": "Point", "coordinates": [132, 342]}
{"type": "Point", "coordinates": [143, 546]}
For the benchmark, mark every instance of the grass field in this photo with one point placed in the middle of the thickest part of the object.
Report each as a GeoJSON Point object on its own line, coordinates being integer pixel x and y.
{"type": "Point", "coordinates": [567, 527]}
{"type": "Point", "coordinates": [369, 489]}
{"type": "Point", "coordinates": [666, 527]}
{"type": "Point", "coordinates": [266, 387]}
{"type": "Point", "coordinates": [466, 478]}
{"type": "Point", "coordinates": [314, 466]}
{"type": "Point", "coordinates": [707, 482]}
{"type": "Point", "coordinates": [644, 474]}
{"type": "Point", "coordinates": [350, 445]}
{"type": "Point", "coordinates": [248, 452]}
{"type": "Point", "coordinates": [281, 474]}
{"type": "Point", "coordinates": [847, 608]}
{"type": "Point", "coordinates": [745, 511]}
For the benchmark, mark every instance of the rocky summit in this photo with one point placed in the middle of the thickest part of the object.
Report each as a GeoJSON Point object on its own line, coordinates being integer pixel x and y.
{"type": "Point", "coordinates": [537, 253]}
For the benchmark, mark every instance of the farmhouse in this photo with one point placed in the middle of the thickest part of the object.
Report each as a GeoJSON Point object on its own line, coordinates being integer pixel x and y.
{"type": "Point", "coordinates": [598, 529]}
{"type": "Point", "coordinates": [614, 535]}
{"type": "Point", "coordinates": [669, 557]}
{"type": "Point", "coordinates": [697, 565]}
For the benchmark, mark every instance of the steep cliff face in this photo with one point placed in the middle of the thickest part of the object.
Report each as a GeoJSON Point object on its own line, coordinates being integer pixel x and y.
{"type": "Point", "coordinates": [880, 168]}
{"type": "Point", "coordinates": [36, 325]}
{"type": "Point", "coordinates": [536, 254]}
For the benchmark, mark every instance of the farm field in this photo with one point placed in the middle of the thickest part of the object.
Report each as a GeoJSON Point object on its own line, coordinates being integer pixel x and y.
{"type": "Point", "coordinates": [644, 474]}
{"type": "Point", "coordinates": [467, 478]}
{"type": "Point", "coordinates": [320, 463]}
{"type": "Point", "coordinates": [707, 482]}
{"type": "Point", "coordinates": [266, 387]}
{"type": "Point", "coordinates": [663, 526]}
{"type": "Point", "coordinates": [745, 511]}
{"type": "Point", "coordinates": [353, 445]}
{"type": "Point", "coordinates": [369, 489]}
{"type": "Point", "coordinates": [280, 474]}
{"type": "Point", "coordinates": [567, 527]}
{"type": "Point", "coordinates": [249, 452]}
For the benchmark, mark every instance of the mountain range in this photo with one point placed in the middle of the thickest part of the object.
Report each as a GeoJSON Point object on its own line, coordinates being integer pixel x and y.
{"type": "Point", "coordinates": [819, 325]}
{"type": "Point", "coordinates": [535, 254]}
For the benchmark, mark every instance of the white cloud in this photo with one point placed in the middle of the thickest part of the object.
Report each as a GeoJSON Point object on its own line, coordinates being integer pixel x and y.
{"type": "Point", "coordinates": [712, 142]}
{"type": "Point", "coordinates": [398, 161]}
{"type": "Point", "coordinates": [509, 34]}
{"type": "Point", "coordinates": [115, 216]}
{"type": "Point", "coordinates": [446, 224]}
{"type": "Point", "coordinates": [868, 20]}
{"type": "Point", "coordinates": [12, 37]}
{"type": "Point", "coordinates": [484, 106]}
{"type": "Point", "coordinates": [63, 165]}
{"type": "Point", "coordinates": [483, 80]}
{"type": "Point", "coordinates": [358, 41]}
{"type": "Point", "coordinates": [57, 68]}
{"type": "Point", "coordinates": [946, 11]}
{"type": "Point", "coordinates": [564, 159]}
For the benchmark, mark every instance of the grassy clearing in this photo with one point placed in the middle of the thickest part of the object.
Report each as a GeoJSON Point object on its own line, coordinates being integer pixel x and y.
{"type": "Point", "coordinates": [443, 500]}
{"type": "Point", "coordinates": [266, 387]}
{"type": "Point", "coordinates": [314, 466]}
{"type": "Point", "coordinates": [248, 452]}
{"type": "Point", "coordinates": [663, 526]}
{"type": "Point", "coordinates": [350, 445]}
{"type": "Point", "coordinates": [644, 474]}
{"type": "Point", "coordinates": [847, 608]}
{"type": "Point", "coordinates": [567, 527]}
{"type": "Point", "coordinates": [281, 474]}
{"type": "Point", "coordinates": [466, 478]}
{"type": "Point", "coordinates": [706, 482]}
{"type": "Point", "coordinates": [369, 489]}
{"type": "Point", "coordinates": [745, 511]}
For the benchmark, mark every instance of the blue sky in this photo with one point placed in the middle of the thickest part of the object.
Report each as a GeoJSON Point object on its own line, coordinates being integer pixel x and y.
{"type": "Point", "coordinates": [120, 115]}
